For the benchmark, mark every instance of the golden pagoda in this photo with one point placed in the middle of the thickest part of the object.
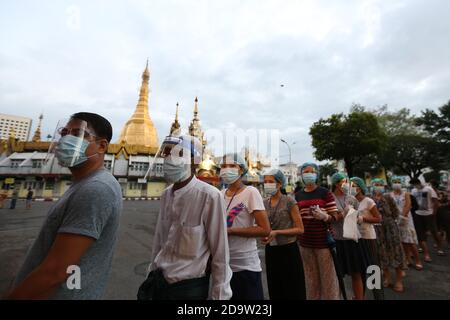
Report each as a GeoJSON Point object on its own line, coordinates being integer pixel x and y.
{"type": "Point", "coordinates": [37, 133]}
{"type": "Point", "coordinates": [195, 129]}
{"type": "Point", "coordinates": [175, 128]}
{"type": "Point", "coordinates": [139, 129]}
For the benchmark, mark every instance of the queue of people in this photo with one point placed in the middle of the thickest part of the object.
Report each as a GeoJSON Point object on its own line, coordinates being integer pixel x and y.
{"type": "Point", "coordinates": [206, 241]}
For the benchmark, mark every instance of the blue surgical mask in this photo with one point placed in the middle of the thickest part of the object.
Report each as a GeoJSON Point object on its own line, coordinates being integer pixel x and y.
{"type": "Point", "coordinates": [71, 151]}
{"type": "Point", "coordinates": [378, 189]}
{"type": "Point", "coordinates": [345, 188]}
{"type": "Point", "coordinates": [397, 186]}
{"type": "Point", "coordinates": [309, 178]}
{"type": "Point", "coordinates": [176, 171]}
{"type": "Point", "coordinates": [270, 189]}
{"type": "Point", "coordinates": [229, 175]}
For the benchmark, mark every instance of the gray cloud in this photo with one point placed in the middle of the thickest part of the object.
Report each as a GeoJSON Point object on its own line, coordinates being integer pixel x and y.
{"type": "Point", "coordinates": [233, 55]}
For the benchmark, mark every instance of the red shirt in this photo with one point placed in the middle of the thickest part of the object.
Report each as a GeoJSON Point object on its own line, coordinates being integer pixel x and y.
{"type": "Point", "coordinates": [315, 235]}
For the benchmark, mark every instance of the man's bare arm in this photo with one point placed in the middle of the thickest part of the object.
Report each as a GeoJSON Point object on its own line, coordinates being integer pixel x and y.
{"type": "Point", "coordinates": [68, 249]}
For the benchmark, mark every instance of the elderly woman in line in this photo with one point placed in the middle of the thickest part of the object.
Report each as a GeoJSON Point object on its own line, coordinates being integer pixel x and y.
{"type": "Point", "coordinates": [405, 222]}
{"type": "Point", "coordinates": [388, 235]}
{"type": "Point", "coordinates": [284, 267]}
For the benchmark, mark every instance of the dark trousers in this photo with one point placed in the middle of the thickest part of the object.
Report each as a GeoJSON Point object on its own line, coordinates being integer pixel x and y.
{"type": "Point", "coordinates": [284, 270]}
{"type": "Point", "coordinates": [247, 285]}
{"type": "Point", "coordinates": [371, 247]}
{"type": "Point", "coordinates": [424, 224]}
{"type": "Point", "coordinates": [155, 287]}
{"type": "Point", "coordinates": [13, 204]}
{"type": "Point", "coordinates": [443, 220]}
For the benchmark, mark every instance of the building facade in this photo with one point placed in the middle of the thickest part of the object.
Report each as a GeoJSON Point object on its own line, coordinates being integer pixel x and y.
{"type": "Point", "coordinates": [14, 125]}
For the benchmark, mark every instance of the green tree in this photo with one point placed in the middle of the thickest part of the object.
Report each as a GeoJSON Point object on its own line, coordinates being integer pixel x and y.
{"type": "Point", "coordinates": [437, 124]}
{"type": "Point", "coordinates": [352, 137]}
{"type": "Point", "coordinates": [326, 169]}
{"type": "Point", "coordinates": [399, 122]}
{"type": "Point", "coordinates": [410, 154]}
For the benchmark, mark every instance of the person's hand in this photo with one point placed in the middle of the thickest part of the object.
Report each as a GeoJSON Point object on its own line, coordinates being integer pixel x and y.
{"type": "Point", "coordinates": [402, 220]}
{"type": "Point", "coordinates": [319, 214]}
{"type": "Point", "coordinates": [360, 219]}
{"type": "Point", "coordinates": [347, 208]}
{"type": "Point", "coordinates": [269, 238]}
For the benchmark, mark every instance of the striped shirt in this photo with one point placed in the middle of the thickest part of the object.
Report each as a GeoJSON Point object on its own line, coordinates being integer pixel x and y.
{"type": "Point", "coordinates": [315, 235]}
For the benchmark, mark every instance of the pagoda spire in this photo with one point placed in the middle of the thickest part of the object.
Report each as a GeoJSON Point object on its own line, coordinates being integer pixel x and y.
{"type": "Point", "coordinates": [175, 128]}
{"type": "Point", "coordinates": [37, 133]}
{"type": "Point", "coordinates": [196, 108]}
{"type": "Point", "coordinates": [139, 129]}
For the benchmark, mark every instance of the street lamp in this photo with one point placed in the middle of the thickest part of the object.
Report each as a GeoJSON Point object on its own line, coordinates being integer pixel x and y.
{"type": "Point", "coordinates": [289, 147]}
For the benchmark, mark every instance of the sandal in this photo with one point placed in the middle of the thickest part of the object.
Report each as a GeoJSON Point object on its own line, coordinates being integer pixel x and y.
{"type": "Point", "coordinates": [427, 259]}
{"type": "Point", "coordinates": [419, 267]}
{"type": "Point", "coordinates": [441, 253]}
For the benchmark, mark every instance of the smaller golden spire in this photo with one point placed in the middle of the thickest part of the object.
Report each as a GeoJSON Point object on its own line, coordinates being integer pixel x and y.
{"type": "Point", "coordinates": [37, 133]}
{"type": "Point", "coordinates": [196, 108]}
{"type": "Point", "coordinates": [175, 128]}
{"type": "Point", "coordinates": [146, 74]}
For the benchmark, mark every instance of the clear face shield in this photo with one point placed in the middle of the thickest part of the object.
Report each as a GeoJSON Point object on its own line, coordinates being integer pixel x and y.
{"type": "Point", "coordinates": [69, 143]}
{"type": "Point", "coordinates": [346, 186]}
{"type": "Point", "coordinates": [175, 159]}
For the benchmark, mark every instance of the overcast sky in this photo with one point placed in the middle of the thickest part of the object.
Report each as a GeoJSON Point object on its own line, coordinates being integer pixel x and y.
{"type": "Point", "coordinates": [60, 57]}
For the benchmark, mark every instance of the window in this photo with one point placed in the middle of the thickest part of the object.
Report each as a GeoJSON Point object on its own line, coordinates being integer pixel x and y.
{"type": "Point", "coordinates": [139, 166]}
{"type": "Point", "coordinates": [133, 185]}
{"type": "Point", "coordinates": [15, 163]}
{"type": "Point", "coordinates": [37, 164]}
{"type": "Point", "coordinates": [49, 184]}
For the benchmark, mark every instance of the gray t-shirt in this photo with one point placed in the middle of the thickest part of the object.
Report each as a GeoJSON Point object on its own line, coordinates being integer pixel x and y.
{"type": "Point", "coordinates": [280, 218]}
{"type": "Point", "coordinates": [90, 207]}
{"type": "Point", "coordinates": [341, 202]}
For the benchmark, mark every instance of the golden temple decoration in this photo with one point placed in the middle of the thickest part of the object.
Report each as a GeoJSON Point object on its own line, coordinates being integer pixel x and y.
{"type": "Point", "coordinates": [175, 128]}
{"type": "Point", "coordinates": [37, 133]}
{"type": "Point", "coordinates": [139, 129]}
{"type": "Point", "coordinates": [195, 128]}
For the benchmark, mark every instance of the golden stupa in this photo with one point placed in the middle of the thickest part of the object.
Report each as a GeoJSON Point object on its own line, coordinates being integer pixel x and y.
{"type": "Point", "coordinates": [37, 133]}
{"type": "Point", "coordinates": [139, 129]}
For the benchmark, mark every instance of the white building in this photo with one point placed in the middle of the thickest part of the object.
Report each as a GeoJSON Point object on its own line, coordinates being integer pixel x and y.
{"type": "Point", "coordinates": [290, 170]}
{"type": "Point", "coordinates": [20, 127]}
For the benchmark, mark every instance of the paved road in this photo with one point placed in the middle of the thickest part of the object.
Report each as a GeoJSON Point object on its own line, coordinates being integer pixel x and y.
{"type": "Point", "coordinates": [19, 227]}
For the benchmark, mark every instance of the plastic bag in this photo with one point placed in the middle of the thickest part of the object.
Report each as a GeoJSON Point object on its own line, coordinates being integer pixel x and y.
{"type": "Point", "coordinates": [351, 230]}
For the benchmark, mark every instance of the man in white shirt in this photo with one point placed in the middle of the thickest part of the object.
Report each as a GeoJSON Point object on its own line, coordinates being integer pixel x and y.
{"type": "Point", "coordinates": [190, 242]}
{"type": "Point", "coordinates": [425, 216]}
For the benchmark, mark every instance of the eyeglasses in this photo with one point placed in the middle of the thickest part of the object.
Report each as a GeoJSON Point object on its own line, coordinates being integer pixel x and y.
{"type": "Point", "coordinates": [63, 131]}
{"type": "Point", "coordinates": [171, 150]}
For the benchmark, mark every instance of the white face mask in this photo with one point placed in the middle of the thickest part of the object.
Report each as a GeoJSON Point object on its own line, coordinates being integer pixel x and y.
{"type": "Point", "coordinates": [397, 186]}
{"type": "Point", "coordinates": [353, 191]}
{"type": "Point", "coordinates": [270, 188]}
{"type": "Point", "coordinates": [176, 171]}
{"type": "Point", "coordinates": [229, 175]}
{"type": "Point", "coordinates": [345, 188]}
